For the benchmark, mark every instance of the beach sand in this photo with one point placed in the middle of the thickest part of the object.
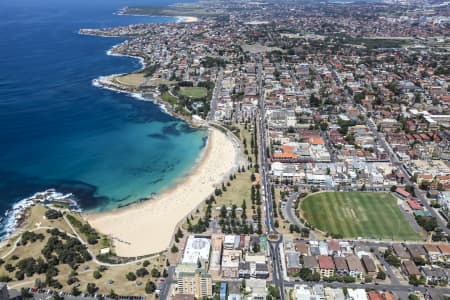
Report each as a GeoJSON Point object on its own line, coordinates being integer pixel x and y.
{"type": "Point", "coordinates": [148, 227]}
{"type": "Point", "coordinates": [187, 19]}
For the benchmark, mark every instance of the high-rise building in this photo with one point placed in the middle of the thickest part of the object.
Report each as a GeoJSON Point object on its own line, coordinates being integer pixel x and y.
{"type": "Point", "coordinates": [197, 283]}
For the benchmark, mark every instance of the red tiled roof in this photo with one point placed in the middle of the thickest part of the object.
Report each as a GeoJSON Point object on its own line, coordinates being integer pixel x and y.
{"type": "Point", "coordinates": [375, 296]}
{"type": "Point", "coordinates": [326, 262]}
{"type": "Point", "coordinates": [414, 204]}
{"type": "Point", "coordinates": [402, 192]}
{"type": "Point", "coordinates": [445, 249]}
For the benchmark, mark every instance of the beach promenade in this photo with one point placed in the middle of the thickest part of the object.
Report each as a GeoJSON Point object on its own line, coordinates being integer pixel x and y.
{"type": "Point", "coordinates": [148, 227]}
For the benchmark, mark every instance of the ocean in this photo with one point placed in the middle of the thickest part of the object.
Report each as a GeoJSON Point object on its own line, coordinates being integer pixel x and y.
{"type": "Point", "coordinates": [59, 131]}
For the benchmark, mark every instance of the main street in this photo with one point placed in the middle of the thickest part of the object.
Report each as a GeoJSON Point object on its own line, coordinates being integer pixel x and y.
{"type": "Point", "coordinates": [215, 96]}
{"type": "Point", "coordinates": [278, 277]}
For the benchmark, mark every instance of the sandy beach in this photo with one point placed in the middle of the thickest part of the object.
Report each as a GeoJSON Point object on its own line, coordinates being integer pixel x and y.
{"type": "Point", "coordinates": [187, 19]}
{"type": "Point", "coordinates": [148, 227]}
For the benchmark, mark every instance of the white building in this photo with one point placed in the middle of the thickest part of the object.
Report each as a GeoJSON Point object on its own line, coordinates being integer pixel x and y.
{"type": "Point", "coordinates": [197, 250]}
{"type": "Point", "coordinates": [357, 294]}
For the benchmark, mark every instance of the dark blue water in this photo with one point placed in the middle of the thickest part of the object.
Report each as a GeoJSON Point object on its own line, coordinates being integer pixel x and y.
{"type": "Point", "coordinates": [57, 130]}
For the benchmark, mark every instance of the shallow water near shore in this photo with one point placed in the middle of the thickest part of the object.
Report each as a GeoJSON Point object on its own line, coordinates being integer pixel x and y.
{"type": "Point", "coordinates": [59, 131]}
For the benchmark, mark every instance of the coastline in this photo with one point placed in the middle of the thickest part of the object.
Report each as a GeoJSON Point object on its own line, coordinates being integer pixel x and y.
{"type": "Point", "coordinates": [107, 82]}
{"type": "Point", "coordinates": [180, 19]}
{"type": "Point", "coordinates": [159, 218]}
{"type": "Point", "coordinates": [163, 213]}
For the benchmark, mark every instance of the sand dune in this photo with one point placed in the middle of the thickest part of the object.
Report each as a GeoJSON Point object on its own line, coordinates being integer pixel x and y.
{"type": "Point", "coordinates": [148, 227]}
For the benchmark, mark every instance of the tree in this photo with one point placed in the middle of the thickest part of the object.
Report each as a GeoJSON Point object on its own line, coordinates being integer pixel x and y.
{"type": "Point", "coordinates": [141, 272]}
{"type": "Point", "coordinates": [91, 288]}
{"type": "Point", "coordinates": [76, 291]}
{"type": "Point", "coordinates": [131, 276]}
{"type": "Point", "coordinates": [97, 274]}
{"type": "Point", "coordinates": [150, 287]}
{"type": "Point", "coordinates": [305, 274]}
{"type": "Point", "coordinates": [274, 291]}
{"type": "Point", "coordinates": [56, 296]}
{"type": "Point", "coordinates": [413, 297]}
{"type": "Point", "coordinates": [381, 275]}
{"type": "Point", "coordinates": [174, 249]}
{"type": "Point", "coordinates": [315, 276]}
{"type": "Point", "coordinates": [155, 273]}
{"type": "Point", "coordinates": [179, 233]}
{"type": "Point", "coordinates": [52, 214]}
{"type": "Point", "coordinates": [113, 295]}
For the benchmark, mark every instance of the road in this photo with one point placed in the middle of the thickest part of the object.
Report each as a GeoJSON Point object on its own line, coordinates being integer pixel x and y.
{"type": "Point", "coordinates": [215, 96]}
{"type": "Point", "coordinates": [394, 159]}
{"type": "Point", "coordinates": [266, 192]}
{"type": "Point", "coordinates": [165, 286]}
{"type": "Point", "coordinates": [292, 218]}
{"type": "Point", "coordinates": [379, 287]}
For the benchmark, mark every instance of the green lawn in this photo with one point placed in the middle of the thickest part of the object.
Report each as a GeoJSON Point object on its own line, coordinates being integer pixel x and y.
{"type": "Point", "coordinates": [193, 92]}
{"type": "Point", "coordinates": [353, 214]}
{"type": "Point", "coordinates": [169, 98]}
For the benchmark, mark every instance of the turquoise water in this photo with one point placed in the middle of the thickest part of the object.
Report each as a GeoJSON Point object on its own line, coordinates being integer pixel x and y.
{"type": "Point", "coordinates": [59, 131]}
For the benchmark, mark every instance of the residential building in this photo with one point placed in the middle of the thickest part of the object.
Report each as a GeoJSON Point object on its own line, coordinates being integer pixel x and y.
{"type": "Point", "coordinates": [410, 268]}
{"type": "Point", "coordinates": [355, 267]}
{"type": "Point", "coordinates": [197, 283]}
{"type": "Point", "coordinates": [341, 265]}
{"type": "Point", "coordinates": [326, 266]}
{"type": "Point", "coordinates": [369, 265]}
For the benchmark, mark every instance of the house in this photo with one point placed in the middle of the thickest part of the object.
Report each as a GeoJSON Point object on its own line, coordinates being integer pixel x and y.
{"type": "Point", "coordinates": [388, 296]}
{"type": "Point", "coordinates": [292, 262]}
{"type": "Point", "coordinates": [302, 292]}
{"type": "Point", "coordinates": [434, 274]}
{"type": "Point", "coordinates": [402, 193]}
{"type": "Point", "coordinates": [310, 262]}
{"type": "Point", "coordinates": [369, 265]}
{"type": "Point", "coordinates": [416, 251]}
{"type": "Point", "coordinates": [445, 250]}
{"type": "Point", "coordinates": [301, 248]}
{"type": "Point", "coordinates": [374, 295]}
{"type": "Point", "coordinates": [410, 268]}
{"type": "Point", "coordinates": [334, 248]}
{"type": "Point", "coordinates": [326, 266]}
{"type": "Point", "coordinates": [357, 294]}
{"type": "Point", "coordinates": [433, 251]}
{"type": "Point", "coordinates": [340, 264]}
{"type": "Point", "coordinates": [355, 267]}
{"type": "Point", "coordinates": [400, 252]}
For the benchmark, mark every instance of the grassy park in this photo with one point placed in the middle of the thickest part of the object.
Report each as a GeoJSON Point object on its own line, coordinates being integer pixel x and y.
{"type": "Point", "coordinates": [358, 214]}
{"type": "Point", "coordinates": [49, 253]}
{"type": "Point", "coordinates": [193, 92]}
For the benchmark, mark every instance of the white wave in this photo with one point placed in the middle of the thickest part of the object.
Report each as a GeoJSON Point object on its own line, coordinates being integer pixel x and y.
{"type": "Point", "coordinates": [111, 52]}
{"type": "Point", "coordinates": [15, 214]}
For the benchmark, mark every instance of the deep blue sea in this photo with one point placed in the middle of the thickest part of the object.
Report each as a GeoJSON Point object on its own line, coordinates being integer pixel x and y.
{"type": "Point", "coordinates": [59, 131]}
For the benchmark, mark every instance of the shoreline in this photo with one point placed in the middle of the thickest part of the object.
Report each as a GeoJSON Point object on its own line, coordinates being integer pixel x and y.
{"type": "Point", "coordinates": [106, 82]}
{"type": "Point", "coordinates": [161, 216]}
{"type": "Point", "coordinates": [179, 19]}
